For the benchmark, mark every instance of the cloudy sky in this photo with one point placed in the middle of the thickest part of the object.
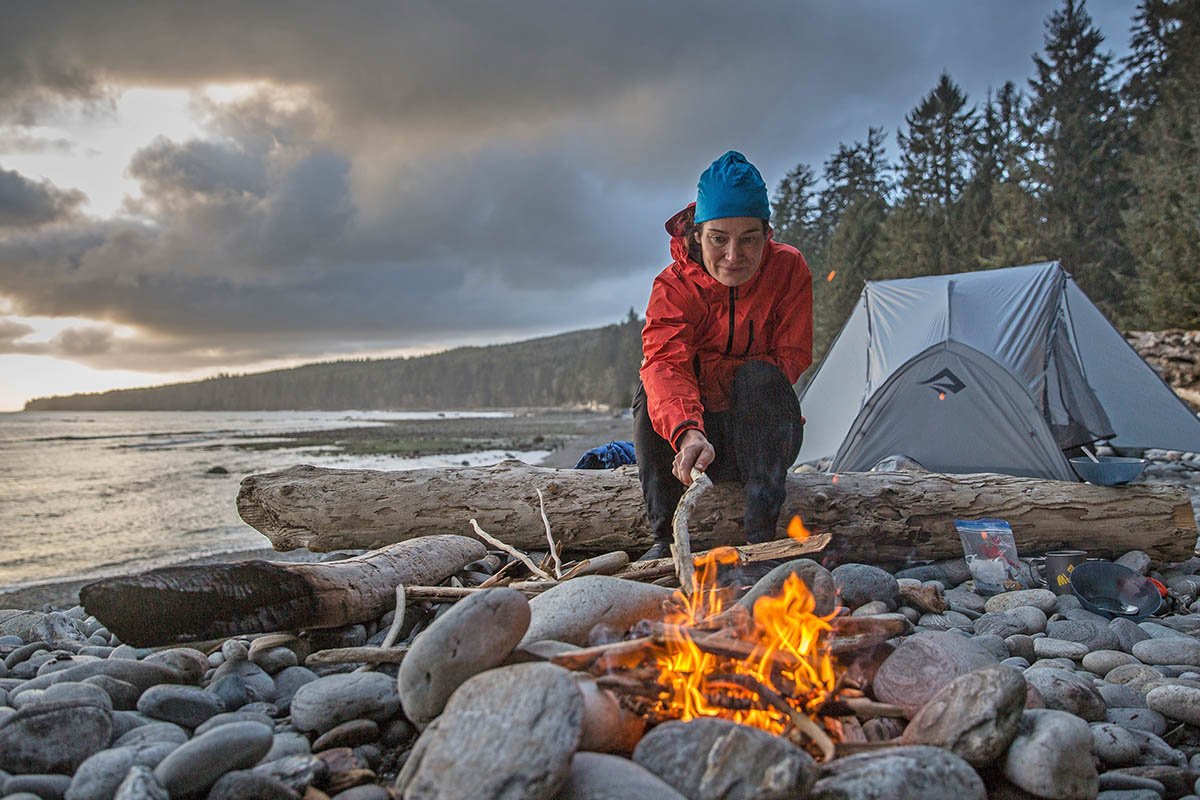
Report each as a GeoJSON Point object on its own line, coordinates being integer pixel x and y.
{"type": "Point", "coordinates": [193, 188]}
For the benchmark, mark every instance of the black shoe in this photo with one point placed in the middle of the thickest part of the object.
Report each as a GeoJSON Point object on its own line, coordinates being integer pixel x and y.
{"type": "Point", "coordinates": [660, 549]}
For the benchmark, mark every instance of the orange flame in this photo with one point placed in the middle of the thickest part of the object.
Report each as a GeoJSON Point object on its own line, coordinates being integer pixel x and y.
{"type": "Point", "coordinates": [941, 395]}
{"type": "Point", "coordinates": [797, 531]}
{"type": "Point", "coordinates": [782, 645]}
{"type": "Point", "coordinates": [832, 272]}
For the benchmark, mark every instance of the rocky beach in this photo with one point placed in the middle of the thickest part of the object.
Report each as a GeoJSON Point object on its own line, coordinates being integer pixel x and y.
{"type": "Point", "coordinates": [488, 693]}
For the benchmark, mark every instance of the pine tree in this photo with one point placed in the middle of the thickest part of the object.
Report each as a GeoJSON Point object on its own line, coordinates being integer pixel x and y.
{"type": "Point", "coordinates": [924, 235]}
{"type": "Point", "coordinates": [853, 205]}
{"type": "Point", "coordinates": [1163, 221]}
{"type": "Point", "coordinates": [795, 214]}
{"type": "Point", "coordinates": [998, 211]}
{"type": "Point", "coordinates": [1077, 133]}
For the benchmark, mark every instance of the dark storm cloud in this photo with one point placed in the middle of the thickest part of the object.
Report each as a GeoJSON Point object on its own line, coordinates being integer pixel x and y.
{"type": "Point", "coordinates": [25, 203]}
{"type": "Point", "coordinates": [408, 171]}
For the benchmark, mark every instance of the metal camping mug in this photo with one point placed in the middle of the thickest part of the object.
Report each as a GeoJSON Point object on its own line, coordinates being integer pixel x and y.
{"type": "Point", "coordinates": [1059, 566]}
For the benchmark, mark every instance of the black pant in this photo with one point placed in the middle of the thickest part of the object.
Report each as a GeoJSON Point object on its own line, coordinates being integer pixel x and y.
{"type": "Point", "coordinates": [755, 441]}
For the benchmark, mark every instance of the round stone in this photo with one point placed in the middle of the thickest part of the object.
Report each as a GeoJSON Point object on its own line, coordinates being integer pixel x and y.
{"type": "Point", "coordinates": [599, 776]}
{"type": "Point", "coordinates": [124, 695]}
{"type": "Point", "coordinates": [1180, 703]}
{"type": "Point", "coordinates": [520, 724]}
{"type": "Point", "coordinates": [1137, 719]}
{"type": "Point", "coordinates": [1000, 623]}
{"type": "Point", "coordinates": [101, 774]}
{"type": "Point", "coordinates": [287, 681]}
{"type": "Point", "coordinates": [715, 758]}
{"type": "Point", "coordinates": [1034, 619]}
{"type": "Point", "coordinates": [241, 784]}
{"type": "Point", "coordinates": [1174, 650]}
{"type": "Point", "coordinates": [196, 765]}
{"type": "Point", "coordinates": [815, 577]}
{"type": "Point", "coordinates": [241, 715]}
{"type": "Point", "coordinates": [1094, 635]}
{"type": "Point", "coordinates": [857, 584]}
{"type": "Point", "coordinates": [1114, 745]}
{"type": "Point", "coordinates": [1128, 633]}
{"type": "Point", "coordinates": [1102, 662]}
{"type": "Point", "coordinates": [1051, 756]}
{"type": "Point", "coordinates": [1118, 696]}
{"type": "Point", "coordinates": [922, 664]}
{"type": "Point", "coordinates": [1135, 676]}
{"type": "Point", "coordinates": [569, 611]}
{"type": "Point", "coordinates": [33, 739]}
{"type": "Point", "coordinates": [1042, 599]}
{"type": "Point", "coordinates": [1046, 647]}
{"type": "Point", "coordinates": [189, 663]}
{"type": "Point", "coordinates": [975, 716]}
{"type": "Point", "coordinates": [347, 734]}
{"type": "Point", "coordinates": [478, 633]}
{"type": "Point", "coordinates": [327, 701]}
{"type": "Point", "coordinates": [187, 706]}
{"type": "Point", "coordinates": [930, 773]}
{"type": "Point", "coordinates": [141, 784]}
{"type": "Point", "coordinates": [1067, 691]}
{"type": "Point", "coordinates": [152, 733]}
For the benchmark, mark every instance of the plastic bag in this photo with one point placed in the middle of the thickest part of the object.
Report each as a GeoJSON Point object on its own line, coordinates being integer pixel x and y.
{"type": "Point", "coordinates": [991, 554]}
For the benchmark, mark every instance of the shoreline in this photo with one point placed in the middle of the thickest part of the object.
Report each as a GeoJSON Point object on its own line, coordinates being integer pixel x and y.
{"type": "Point", "coordinates": [573, 434]}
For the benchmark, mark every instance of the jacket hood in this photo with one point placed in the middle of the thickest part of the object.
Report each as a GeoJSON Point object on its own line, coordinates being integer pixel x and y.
{"type": "Point", "coordinates": [677, 226]}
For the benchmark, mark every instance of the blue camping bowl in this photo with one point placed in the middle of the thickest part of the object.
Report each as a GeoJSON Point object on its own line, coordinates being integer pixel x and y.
{"type": "Point", "coordinates": [1111, 470]}
{"type": "Point", "coordinates": [1112, 591]}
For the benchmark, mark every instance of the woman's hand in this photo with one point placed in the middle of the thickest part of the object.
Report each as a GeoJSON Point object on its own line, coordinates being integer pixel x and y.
{"type": "Point", "coordinates": [694, 451]}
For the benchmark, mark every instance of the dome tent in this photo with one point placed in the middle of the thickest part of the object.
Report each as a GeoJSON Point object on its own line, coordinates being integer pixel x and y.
{"type": "Point", "coordinates": [990, 371]}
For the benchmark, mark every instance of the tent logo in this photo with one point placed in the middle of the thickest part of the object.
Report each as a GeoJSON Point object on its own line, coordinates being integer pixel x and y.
{"type": "Point", "coordinates": [945, 381]}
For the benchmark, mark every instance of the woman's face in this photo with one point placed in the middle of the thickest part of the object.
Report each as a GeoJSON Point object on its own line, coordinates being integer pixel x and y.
{"type": "Point", "coordinates": [732, 248]}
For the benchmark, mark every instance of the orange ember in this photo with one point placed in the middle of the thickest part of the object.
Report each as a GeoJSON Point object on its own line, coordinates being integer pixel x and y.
{"type": "Point", "coordinates": [832, 272]}
{"type": "Point", "coordinates": [781, 646]}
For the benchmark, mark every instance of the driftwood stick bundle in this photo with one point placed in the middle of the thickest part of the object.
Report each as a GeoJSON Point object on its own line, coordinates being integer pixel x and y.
{"type": "Point", "coordinates": [357, 655]}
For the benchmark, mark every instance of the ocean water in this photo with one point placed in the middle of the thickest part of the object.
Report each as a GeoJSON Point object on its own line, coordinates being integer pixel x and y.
{"type": "Point", "coordinates": [91, 494]}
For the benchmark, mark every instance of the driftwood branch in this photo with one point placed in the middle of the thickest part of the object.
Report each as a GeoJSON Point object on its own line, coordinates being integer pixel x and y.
{"type": "Point", "coordinates": [681, 547]}
{"type": "Point", "coordinates": [512, 551]}
{"type": "Point", "coordinates": [192, 603]}
{"type": "Point", "coordinates": [881, 518]}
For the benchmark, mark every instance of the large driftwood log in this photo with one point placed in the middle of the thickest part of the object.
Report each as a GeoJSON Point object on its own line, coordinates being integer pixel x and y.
{"type": "Point", "coordinates": [885, 517]}
{"type": "Point", "coordinates": [176, 604]}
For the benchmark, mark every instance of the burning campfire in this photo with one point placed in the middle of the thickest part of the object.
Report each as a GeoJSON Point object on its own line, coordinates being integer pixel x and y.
{"type": "Point", "coordinates": [776, 665]}
{"type": "Point", "coordinates": [773, 667]}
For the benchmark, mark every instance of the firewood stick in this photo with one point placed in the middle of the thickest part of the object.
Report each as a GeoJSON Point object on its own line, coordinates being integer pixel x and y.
{"type": "Point", "coordinates": [681, 547]}
{"type": "Point", "coordinates": [512, 551]}
{"type": "Point", "coordinates": [780, 548]}
{"type": "Point", "coordinates": [853, 748]}
{"type": "Point", "coordinates": [450, 594]}
{"type": "Point", "coordinates": [389, 638]}
{"type": "Point", "coordinates": [892, 624]}
{"type": "Point", "coordinates": [549, 537]}
{"type": "Point", "coordinates": [799, 720]}
{"type": "Point", "coordinates": [358, 655]}
{"type": "Point", "coordinates": [585, 658]}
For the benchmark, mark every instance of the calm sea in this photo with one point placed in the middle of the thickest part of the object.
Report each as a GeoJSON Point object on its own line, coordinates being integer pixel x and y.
{"type": "Point", "coordinates": [89, 494]}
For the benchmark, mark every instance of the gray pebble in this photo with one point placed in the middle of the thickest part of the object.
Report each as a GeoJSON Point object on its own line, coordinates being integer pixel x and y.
{"type": "Point", "coordinates": [1095, 635]}
{"type": "Point", "coordinates": [1144, 719]}
{"type": "Point", "coordinates": [930, 773]}
{"type": "Point", "coordinates": [152, 733]}
{"type": "Point", "coordinates": [184, 705]}
{"type": "Point", "coordinates": [861, 583]}
{"type": "Point", "coordinates": [1114, 745]}
{"type": "Point", "coordinates": [31, 740]}
{"type": "Point", "coordinates": [1102, 662]}
{"type": "Point", "coordinates": [1178, 650]}
{"type": "Point", "coordinates": [1051, 756]}
{"type": "Point", "coordinates": [241, 715]}
{"type": "Point", "coordinates": [141, 784]}
{"type": "Point", "coordinates": [287, 681]}
{"type": "Point", "coordinates": [1042, 599]}
{"type": "Point", "coordinates": [99, 777]}
{"type": "Point", "coordinates": [478, 633]}
{"type": "Point", "coordinates": [1067, 691]}
{"type": "Point", "coordinates": [1047, 647]}
{"type": "Point", "coordinates": [323, 703]}
{"type": "Point", "coordinates": [197, 764]}
{"type": "Point", "coordinates": [1180, 703]}
{"type": "Point", "coordinates": [1128, 633]}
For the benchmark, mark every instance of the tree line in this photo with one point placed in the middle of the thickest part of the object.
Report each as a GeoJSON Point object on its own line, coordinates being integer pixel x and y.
{"type": "Point", "coordinates": [1094, 163]}
{"type": "Point", "coordinates": [595, 368]}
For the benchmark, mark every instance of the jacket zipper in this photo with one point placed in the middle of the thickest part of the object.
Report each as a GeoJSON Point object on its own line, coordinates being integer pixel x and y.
{"type": "Point", "coordinates": [732, 318]}
{"type": "Point", "coordinates": [750, 341]}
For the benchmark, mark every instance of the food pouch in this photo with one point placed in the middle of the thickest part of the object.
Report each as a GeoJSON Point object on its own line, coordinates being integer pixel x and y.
{"type": "Point", "coordinates": [991, 554]}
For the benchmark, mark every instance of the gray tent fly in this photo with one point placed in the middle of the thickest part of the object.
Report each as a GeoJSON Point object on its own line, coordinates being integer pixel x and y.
{"type": "Point", "coordinates": [991, 371]}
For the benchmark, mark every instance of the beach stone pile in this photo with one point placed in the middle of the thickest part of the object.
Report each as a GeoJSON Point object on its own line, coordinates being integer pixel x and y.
{"type": "Point", "coordinates": [1023, 694]}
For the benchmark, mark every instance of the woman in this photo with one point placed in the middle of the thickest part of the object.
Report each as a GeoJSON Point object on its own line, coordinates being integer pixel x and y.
{"type": "Point", "coordinates": [728, 331]}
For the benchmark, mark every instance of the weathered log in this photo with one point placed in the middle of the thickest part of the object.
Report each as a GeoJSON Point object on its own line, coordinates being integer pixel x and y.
{"type": "Point", "coordinates": [178, 604]}
{"type": "Point", "coordinates": [881, 518]}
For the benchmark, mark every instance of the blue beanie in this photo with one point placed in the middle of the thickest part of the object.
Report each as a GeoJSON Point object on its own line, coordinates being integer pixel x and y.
{"type": "Point", "coordinates": [731, 187]}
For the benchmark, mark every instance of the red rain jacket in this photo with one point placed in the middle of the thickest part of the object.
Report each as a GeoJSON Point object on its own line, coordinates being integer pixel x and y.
{"type": "Point", "coordinates": [698, 331]}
